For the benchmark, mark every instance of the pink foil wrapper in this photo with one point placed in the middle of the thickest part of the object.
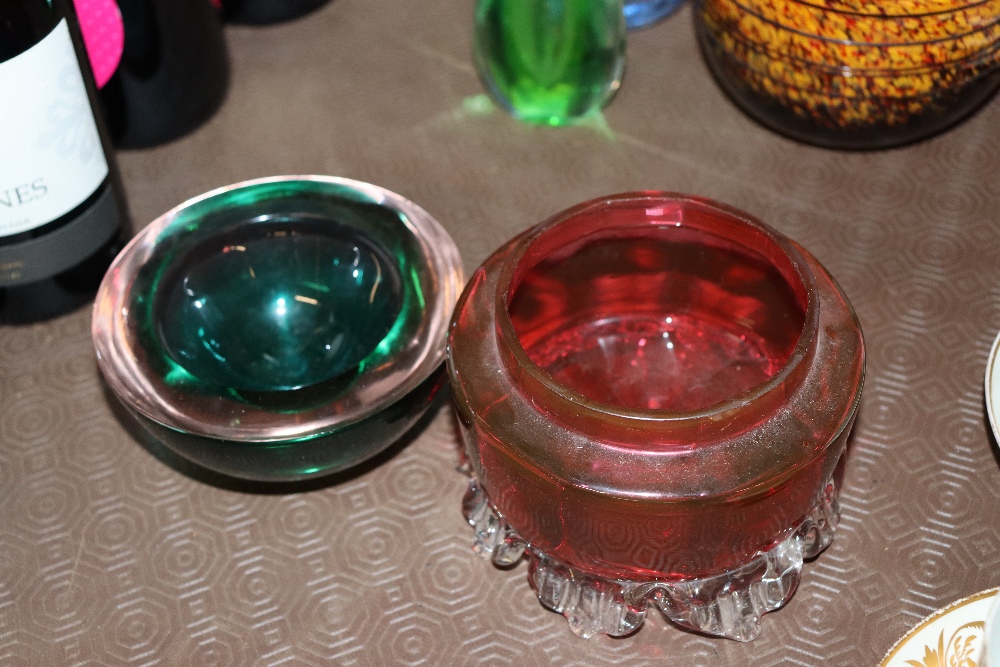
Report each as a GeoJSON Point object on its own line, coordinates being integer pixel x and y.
{"type": "Point", "coordinates": [104, 36]}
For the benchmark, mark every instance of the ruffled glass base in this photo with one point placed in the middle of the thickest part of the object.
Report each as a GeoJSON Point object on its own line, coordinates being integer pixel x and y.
{"type": "Point", "coordinates": [729, 604]}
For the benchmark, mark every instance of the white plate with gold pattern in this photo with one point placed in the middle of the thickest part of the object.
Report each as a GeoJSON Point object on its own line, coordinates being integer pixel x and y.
{"type": "Point", "coordinates": [992, 657]}
{"type": "Point", "coordinates": [950, 636]}
{"type": "Point", "coordinates": [993, 387]}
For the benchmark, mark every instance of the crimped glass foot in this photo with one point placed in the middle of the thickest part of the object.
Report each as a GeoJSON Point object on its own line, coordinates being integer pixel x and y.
{"type": "Point", "coordinates": [730, 604]}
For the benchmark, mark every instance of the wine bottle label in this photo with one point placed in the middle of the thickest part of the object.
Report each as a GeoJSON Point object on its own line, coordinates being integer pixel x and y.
{"type": "Point", "coordinates": [51, 158]}
{"type": "Point", "coordinates": [53, 253]}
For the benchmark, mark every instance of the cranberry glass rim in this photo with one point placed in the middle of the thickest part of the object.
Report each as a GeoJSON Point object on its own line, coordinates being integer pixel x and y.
{"type": "Point", "coordinates": [800, 352]}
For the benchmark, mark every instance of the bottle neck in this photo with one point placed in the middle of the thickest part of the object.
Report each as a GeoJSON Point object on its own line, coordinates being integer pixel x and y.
{"type": "Point", "coordinates": [23, 23]}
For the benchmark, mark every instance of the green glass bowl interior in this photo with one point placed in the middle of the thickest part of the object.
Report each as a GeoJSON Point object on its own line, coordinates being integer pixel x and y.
{"type": "Point", "coordinates": [277, 303]}
{"type": "Point", "coordinates": [278, 295]}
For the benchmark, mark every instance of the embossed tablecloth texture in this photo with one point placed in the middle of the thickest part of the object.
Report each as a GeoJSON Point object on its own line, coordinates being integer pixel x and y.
{"type": "Point", "coordinates": [111, 554]}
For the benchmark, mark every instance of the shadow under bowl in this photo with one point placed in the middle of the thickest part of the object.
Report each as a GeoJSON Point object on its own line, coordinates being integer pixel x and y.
{"type": "Point", "coordinates": [280, 329]}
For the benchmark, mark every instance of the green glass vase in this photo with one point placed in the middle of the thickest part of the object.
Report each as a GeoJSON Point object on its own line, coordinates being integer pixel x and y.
{"type": "Point", "coordinates": [550, 61]}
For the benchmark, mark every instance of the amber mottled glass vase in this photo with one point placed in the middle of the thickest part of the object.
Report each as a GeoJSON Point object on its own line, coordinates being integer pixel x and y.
{"type": "Point", "coordinates": [853, 75]}
{"type": "Point", "coordinates": [655, 393]}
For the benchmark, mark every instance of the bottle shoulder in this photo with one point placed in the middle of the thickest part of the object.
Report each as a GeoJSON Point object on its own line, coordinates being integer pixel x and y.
{"type": "Point", "coordinates": [24, 23]}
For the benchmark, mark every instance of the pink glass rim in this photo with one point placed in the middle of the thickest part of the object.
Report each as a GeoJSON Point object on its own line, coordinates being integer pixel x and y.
{"type": "Point", "coordinates": [511, 272]}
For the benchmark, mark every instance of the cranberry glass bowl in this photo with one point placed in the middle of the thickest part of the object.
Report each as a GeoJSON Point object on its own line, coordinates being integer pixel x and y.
{"type": "Point", "coordinates": [280, 329]}
{"type": "Point", "coordinates": [655, 393]}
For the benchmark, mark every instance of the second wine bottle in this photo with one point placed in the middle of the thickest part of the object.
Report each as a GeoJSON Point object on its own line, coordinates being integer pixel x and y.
{"type": "Point", "coordinates": [267, 11]}
{"type": "Point", "coordinates": [173, 75]}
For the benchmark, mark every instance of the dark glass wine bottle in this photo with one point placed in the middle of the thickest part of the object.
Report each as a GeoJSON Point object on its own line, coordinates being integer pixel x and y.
{"type": "Point", "coordinates": [173, 75]}
{"type": "Point", "coordinates": [62, 213]}
{"type": "Point", "coordinates": [267, 11]}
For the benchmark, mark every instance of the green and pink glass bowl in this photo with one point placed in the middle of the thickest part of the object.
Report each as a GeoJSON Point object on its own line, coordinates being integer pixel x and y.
{"type": "Point", "coordinates": [280, 329]}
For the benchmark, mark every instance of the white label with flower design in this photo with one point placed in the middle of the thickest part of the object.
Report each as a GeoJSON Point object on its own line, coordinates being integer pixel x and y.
{"type": "Point", "coordinates": [51, 158]}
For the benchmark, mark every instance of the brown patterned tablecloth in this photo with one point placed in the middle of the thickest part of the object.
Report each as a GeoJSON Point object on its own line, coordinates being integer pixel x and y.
{"type": "Point", "coordinates": [111, 553]}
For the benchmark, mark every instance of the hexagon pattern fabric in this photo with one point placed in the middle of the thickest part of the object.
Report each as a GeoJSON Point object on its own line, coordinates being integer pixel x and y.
{"type": "Point", "coordinates": [113, 553]}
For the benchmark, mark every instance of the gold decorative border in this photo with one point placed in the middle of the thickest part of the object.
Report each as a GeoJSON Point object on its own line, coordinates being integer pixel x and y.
{"type": "Point", "coordinates": [897, 647]}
